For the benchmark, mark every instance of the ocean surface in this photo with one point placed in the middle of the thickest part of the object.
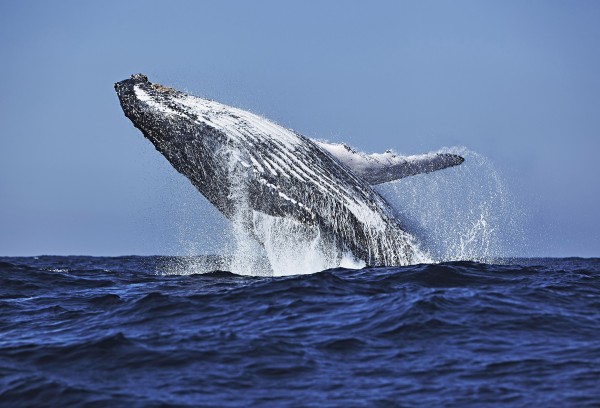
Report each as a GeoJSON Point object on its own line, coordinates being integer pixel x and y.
{"type": "Point", "coordinates": [87, 331]}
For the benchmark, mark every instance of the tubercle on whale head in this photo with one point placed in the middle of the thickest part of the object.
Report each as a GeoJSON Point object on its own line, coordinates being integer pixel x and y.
{"type": "Point", "coordinates": [141, 79]}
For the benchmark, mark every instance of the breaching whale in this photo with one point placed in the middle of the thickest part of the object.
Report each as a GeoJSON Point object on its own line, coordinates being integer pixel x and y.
{"type": "Point", "coordinates": [257, 172]}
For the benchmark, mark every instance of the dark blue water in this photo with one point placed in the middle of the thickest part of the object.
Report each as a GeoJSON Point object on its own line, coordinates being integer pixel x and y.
{"type": "Point", "coordinates": [82, 331]}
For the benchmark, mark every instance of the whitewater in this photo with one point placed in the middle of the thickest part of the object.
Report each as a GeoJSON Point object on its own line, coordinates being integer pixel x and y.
{"type": "Point", "coordinates": [462, 214]}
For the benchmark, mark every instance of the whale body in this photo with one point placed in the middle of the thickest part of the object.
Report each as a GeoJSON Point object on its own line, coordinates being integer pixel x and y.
{"type": "Point", "coordinates": [260, 174]}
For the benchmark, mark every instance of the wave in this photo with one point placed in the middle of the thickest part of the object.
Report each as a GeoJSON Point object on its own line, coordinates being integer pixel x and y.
{"type": "Point", "coordinates": [519, 332]}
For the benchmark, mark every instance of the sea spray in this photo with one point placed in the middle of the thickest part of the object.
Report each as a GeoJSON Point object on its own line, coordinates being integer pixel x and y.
{"type": "Point", "coordinates": [287, 246]}
{"type": "Point", "coordinates": [294, 248]}
{"type": "Point", "coordinates": [463, 213]}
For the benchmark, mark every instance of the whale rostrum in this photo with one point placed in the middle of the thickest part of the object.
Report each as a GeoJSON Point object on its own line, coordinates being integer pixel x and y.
{"type": "Point", "coordinates": [252, 169]}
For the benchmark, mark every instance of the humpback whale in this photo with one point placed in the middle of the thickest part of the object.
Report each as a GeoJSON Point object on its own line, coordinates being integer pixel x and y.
{"type": "Point", "coordinates": [258, 174]}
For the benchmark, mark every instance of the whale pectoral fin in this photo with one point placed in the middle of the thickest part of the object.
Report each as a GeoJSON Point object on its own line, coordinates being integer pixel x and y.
{"type": "Point", "coordinates": [379, 172]}
{"type": "Point", "coordinates": [380, 168]}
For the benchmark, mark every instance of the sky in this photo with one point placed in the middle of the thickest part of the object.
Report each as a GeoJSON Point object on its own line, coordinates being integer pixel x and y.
{"type": "Point", "coordinates": [517, 82]}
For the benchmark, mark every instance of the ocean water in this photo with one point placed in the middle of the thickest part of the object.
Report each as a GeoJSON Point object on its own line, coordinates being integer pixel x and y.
{"type": "Point", "coordinates": [86, 331]}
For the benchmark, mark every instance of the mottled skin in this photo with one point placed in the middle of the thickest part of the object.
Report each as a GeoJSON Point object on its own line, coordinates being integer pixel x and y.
{"type": "Point", "coordinates": [213, 162]}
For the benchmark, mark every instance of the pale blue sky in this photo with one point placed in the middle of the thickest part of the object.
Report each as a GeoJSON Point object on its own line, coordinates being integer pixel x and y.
{"type": "Point", "coordinates": [515, 81]}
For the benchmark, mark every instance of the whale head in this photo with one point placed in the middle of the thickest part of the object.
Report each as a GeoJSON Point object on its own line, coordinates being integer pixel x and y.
{"type": "Point", "coordinates": [172, 121]}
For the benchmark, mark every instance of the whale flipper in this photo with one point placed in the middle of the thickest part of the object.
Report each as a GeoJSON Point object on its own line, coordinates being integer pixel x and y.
{"type": "Point", "coordinates": [380, 168]}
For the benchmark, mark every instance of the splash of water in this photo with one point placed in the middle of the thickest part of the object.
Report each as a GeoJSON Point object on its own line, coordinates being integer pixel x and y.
{"type": "Point", "coordinates": [293, 248]}
{"type": "Point", "coordinates": [462, 213]}
{"type": "Point", "coordinates": [288, 246]}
